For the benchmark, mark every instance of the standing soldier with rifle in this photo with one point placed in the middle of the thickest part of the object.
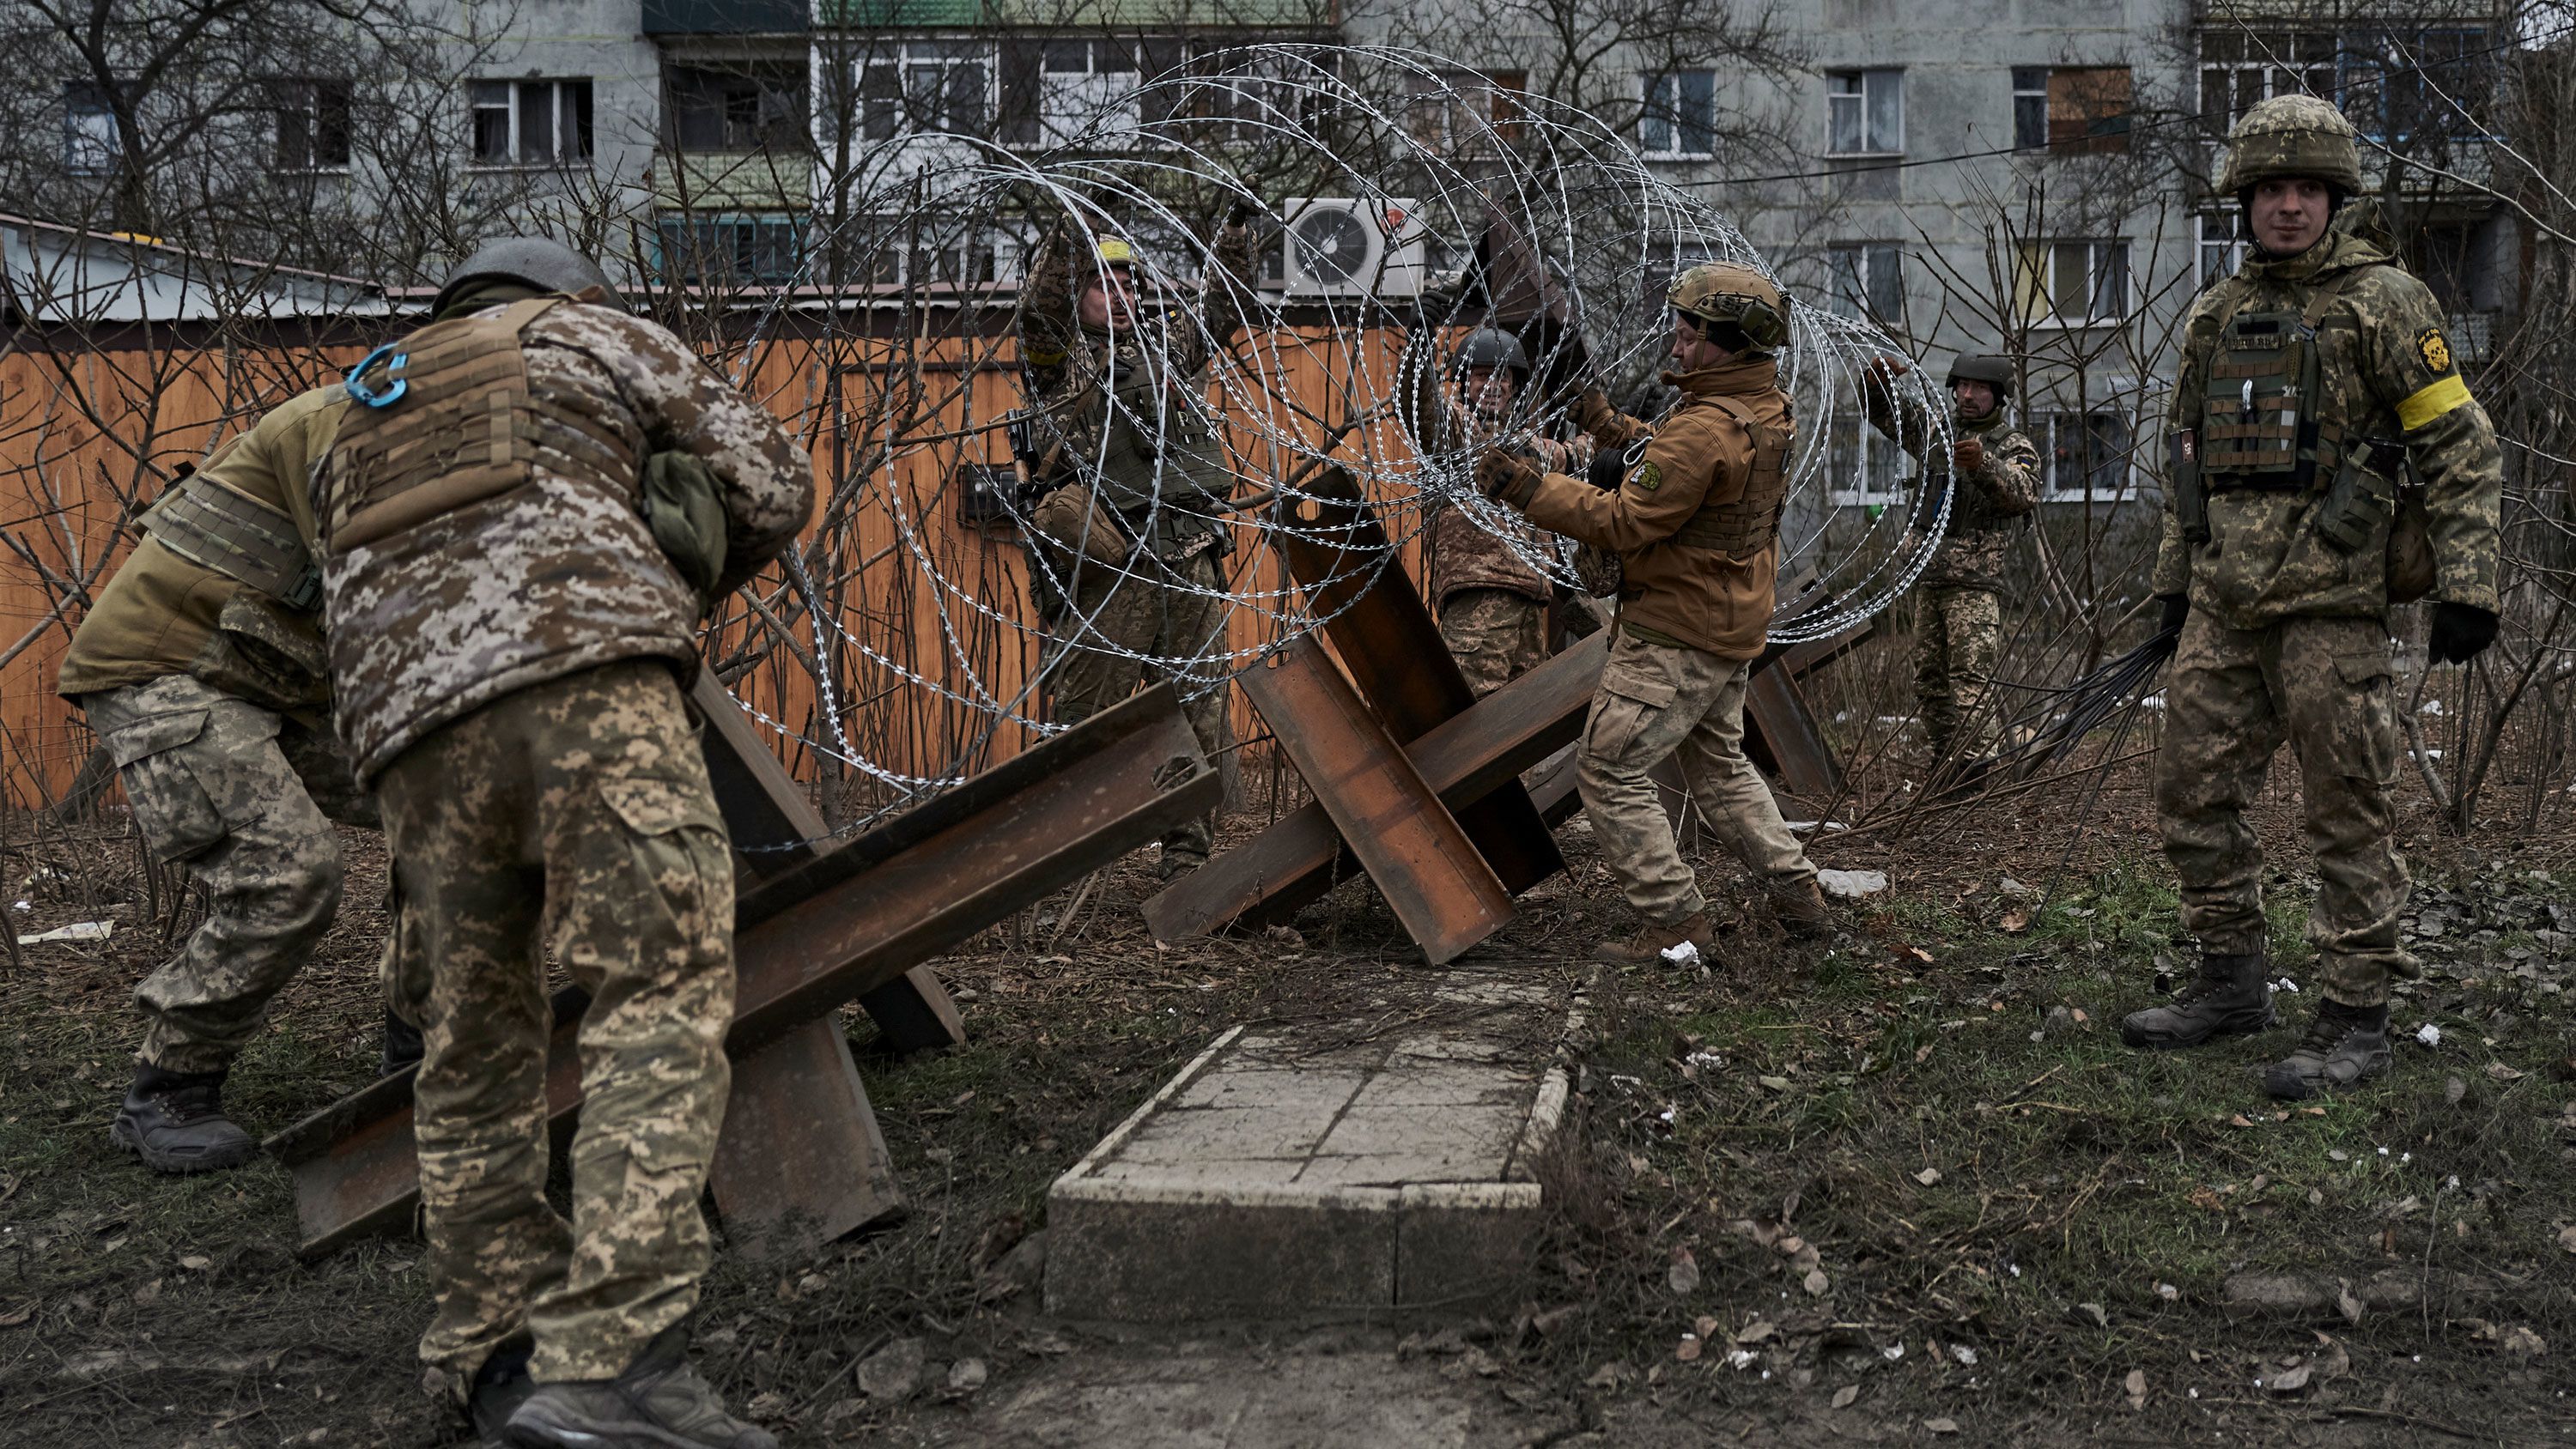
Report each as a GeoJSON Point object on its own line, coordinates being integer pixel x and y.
{"type": "Point", "coordinates": [1991, 473]}
{"type": "Point", "coordinates": [2308, 380]}
{"type": "Point", "coordinates": [1134, 477]}
{"type": "Point", "coordinates": [1695, 521]}
{"type": "Point", "coordinates": [524, 519]}
{"type": "Point", "coordinates": [201, 669]}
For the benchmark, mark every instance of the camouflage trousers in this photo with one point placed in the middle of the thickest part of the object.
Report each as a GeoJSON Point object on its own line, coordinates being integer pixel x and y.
{"type": "Point", "coordinates": [575, 813]}
{"type": "Point", "coordinates": [245, 796]}
{"type": "Point", "coordinates": [1656, 702]}
{"type": "Point", "coordinates": [1111, 618]}
{"type": "Point", "coordinates": [2233, 697]}
{"type": "Point", "coordinates": [1496, 635]}
{"type": "Point", "coordinates": [1955, 635]}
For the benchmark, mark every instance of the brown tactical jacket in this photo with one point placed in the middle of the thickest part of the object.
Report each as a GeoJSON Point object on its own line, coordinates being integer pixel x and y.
{"type": "Point", "coordinates": [164, 614]}
{"type": "Point", "coordinates": [1699, 458]}
{"type": "Point", "coordinates": [559, 573]}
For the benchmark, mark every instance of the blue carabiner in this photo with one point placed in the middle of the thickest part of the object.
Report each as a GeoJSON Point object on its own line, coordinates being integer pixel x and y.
{"type": "Point", "coordinates": [359, 390]}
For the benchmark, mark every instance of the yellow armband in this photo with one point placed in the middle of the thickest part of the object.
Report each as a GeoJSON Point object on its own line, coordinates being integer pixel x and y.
{"type": "Point", "coordinates": [2432, 402]}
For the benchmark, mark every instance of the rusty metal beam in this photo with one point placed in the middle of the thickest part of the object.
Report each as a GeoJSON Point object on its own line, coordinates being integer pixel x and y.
{"type": "Point", "coordinates": [1443, 891]}
{"type": "Point", "coordinates": [1301, 855]}
{"type": "Point", "coordinates": [1388, 641]}
{"type": "Point", "coordinates": [831, 929]}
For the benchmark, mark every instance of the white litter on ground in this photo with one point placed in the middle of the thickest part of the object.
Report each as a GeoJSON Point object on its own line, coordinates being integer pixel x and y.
{"type": "Point", "coordinates": [2429, 1034]}
{"type": "Point", "coordinates": [1851, 885]}
{"type": "Point", "coordinates": [1682, 953]}
{"type": "Point", "coordinates": [77, 931]}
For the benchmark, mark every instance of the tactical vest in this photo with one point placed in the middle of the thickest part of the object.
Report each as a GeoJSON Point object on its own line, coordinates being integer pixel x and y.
{"type": "Point", "coordinates": [464, 427]}
{"type": "Point", "coordinates": [2266, 417]}
{"type": "Point", "coordinates": [1746, 524]}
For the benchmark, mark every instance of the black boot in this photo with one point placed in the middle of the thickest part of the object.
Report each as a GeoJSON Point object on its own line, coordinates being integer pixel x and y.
{"type": "Point", "coordinates": [402, 1047]}
{"type": "Point", "coordinates": [175, 1122]}
{"type": "Point", "coordinates": [2228, 998]}
{"type": "Point", "coordinates": [2345, 1046]}
{"type": "Point", "coordinates": [659, 1400]}
{"type": "Point", "coordinates": [500, 1386]}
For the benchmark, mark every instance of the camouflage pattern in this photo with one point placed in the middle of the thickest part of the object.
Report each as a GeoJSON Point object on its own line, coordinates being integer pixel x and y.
{"type": "Point", "coordinates": [1496, 635]}
{"type": "Point", "coordinates": [1175, 611]}
{"type": "Point", "coordinates": [436, 621]}
{"type": "Point", "coordinates": [1956, 632]}
{"type": "Point", "coordinates": [163, 614]}
{"type": "Point", "coordinates": [1986, 510]}
{"type": "Point", "coordinates": [575, 815]}
{"type": "Point", "coordinates": [2324, 685]}
{"type": "Point", "coordinates": [245, 797]}
{"type": "Point", "coordinates": [1468, 554]}
{"type": "Point", "coordinates": [1655, 701]}
{"type": "Point", "coordinates": [2384, 362]}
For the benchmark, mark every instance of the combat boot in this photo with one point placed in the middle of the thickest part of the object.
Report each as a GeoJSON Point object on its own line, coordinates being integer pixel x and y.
{"type": "Point", "coordinates": [2228, 998]}
{"type": "Point", "coordinates": [659, 1402]}
{"type": "Point", "coordinates": [2345, 1045]}
{"type": "Point", "coordinates": [1178, 861]}
{"type": "Point", "coordinates": [1801, 910]}
{"type": "Point", "coordinates": [175, 1122]}
{"type": "Point", "coordinates": [1648, 945]}
{"type": "Point", "coordinates": [500, 1386]}
{"type": "Point", "coordinates": [403, 1047]}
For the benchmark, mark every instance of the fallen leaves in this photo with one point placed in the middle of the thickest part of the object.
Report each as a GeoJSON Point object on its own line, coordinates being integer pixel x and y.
{"type": "Point", "coordinates": [2136, 1387]}
{"type": "Point", "coordinates": [1846, 1396]}
{"type": "Point", "coordinates": [1928, 1176]}
{"type": "Point", "coordinates": [1683, 1276]}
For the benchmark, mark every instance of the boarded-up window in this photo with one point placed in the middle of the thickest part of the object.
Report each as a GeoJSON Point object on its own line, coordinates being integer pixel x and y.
{"type": "Point", "coordinates": [2088, 108]}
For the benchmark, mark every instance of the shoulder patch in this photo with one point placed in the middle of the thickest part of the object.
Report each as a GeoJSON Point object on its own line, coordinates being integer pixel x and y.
{"type": "Point", "coordinates": [1648, 477]}
{"type": "Point", "coordinates": [2436, 352]}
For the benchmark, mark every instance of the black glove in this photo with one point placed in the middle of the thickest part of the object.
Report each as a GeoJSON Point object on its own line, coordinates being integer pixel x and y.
{"type": "Point", "coordinates": [2461, 632]}
{"type": "Point", "coordinates": [2177, 607]}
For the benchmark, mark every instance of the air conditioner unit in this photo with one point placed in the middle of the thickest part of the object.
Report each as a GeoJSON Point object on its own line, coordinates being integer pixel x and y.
{"type": "Point", "coordinates": [1340, 246]}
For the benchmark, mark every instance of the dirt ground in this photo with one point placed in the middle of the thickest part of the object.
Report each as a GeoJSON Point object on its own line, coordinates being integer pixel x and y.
{"type": "Point", "coordinates": [1905, 1188]}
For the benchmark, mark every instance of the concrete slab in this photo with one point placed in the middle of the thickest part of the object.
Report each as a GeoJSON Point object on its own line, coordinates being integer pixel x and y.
{"type": "Point", "coordinates": [1324, 1170]}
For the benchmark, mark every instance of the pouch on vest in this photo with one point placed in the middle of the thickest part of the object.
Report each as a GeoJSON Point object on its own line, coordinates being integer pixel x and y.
{"type": "Point", "coordinates": [265, 653]}
{"type": "Point", "coordinates": [2410, 549]}
{"type": "Point", "coordinates": [1070, 516]}
{"type": "Point", "coordinates": [2191, 502]}
{"type": "Point", "coordinates": [684, 507]}
{"type": "Point", "coordinates": [2360, 501]}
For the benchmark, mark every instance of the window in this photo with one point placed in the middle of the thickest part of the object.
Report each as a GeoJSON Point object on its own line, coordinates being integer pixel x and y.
{"type": "Point", "coordinates": [2030, 107]}
{"type": "Point", "coordinates": [2071, 283]}
{"type": "Point", "coordinates": [1679, 117]}
{"type": "Point", "coordinates": [2427, 85]}
{"type": "Point", "coordinates": [531, 122]}
{"type": "Point", "coordinates": [90, 145]}
{"type": "Point", "coordinates": [1862, 460]}
{"type": "Point", "coordinates": [1086, 85]}
{"type": "Point", "coordinates": [1866, 112]}
{"type": "Point", "coordinates": [939, 87]}
{"type": "Point", "coordinates": [1472, 109]}
{"type": "Point", "coordinates": [2222, 244]}
{"type": "Point", "coordinates": [1869, 279]}
{"type": "Point", "coordinates": [755, 108]}
{"type": "Point", "coordinates": [729, 250]}
{"type": "Point", "coordinates": [2083, 453]}
{"type": "Point", "coordinates": [2071, 109]}
{"type": "Point", "coordinates": [2239, 68]}
{"type": "Point", "coordinates": [312, 124]}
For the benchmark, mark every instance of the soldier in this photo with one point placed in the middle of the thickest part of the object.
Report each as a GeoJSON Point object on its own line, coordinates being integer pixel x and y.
{"type": "Point", "coordinates": [2308, 378]}
{"type": "Point", "coordinates": [1492, 604]}
{"type": "Point", "coordinates": [1959, 599]}
{"type": "Point", "coordinates": [1138, 476]}
{"type": "Point", "coordinates": [1695, 522]}
{"type": "Point", "coordinates": [201, 669]}
{"type": "Point", "coordinates": [523, 522]}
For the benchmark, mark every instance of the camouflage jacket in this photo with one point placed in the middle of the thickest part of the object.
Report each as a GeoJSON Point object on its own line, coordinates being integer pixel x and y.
{"type": "Point", "coordinates": [1126, 412]}
{"type": "Point", "coordinates": [2387, 372]}
{"type": "Point", "coordinates": [557, 574]}
{"type": "Point", "coordinates": [1468, 551]}
{"type": "Point", "coordinates": [1990, 503]}
{"type": "Point", "coordinates": [163, 614]}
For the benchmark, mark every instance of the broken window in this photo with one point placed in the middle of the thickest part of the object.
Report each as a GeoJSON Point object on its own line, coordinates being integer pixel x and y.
{"type": "Point", "coordinates": [754, 108]}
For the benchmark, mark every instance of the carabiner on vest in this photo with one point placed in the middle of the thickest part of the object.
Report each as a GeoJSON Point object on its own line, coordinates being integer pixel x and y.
{"type": "Point", "coordinates": [393, 370]}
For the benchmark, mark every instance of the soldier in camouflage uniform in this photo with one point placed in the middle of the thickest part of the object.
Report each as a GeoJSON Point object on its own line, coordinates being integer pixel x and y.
{"type": "Point", "coordinates": [2308, 379]}
{"type": "Point", "coordinates": [522, 524]}
{"type": "Point", "coordinates": [1696, 525]}
{"type": "Point", "coordinates": [201, 669]}
{"type": "Point", "coordinates": [1991, 472]}
{"type": "Point", "coordinates": [1492, 605]}
{"type": "Point", "coordinates": [1129, 529]}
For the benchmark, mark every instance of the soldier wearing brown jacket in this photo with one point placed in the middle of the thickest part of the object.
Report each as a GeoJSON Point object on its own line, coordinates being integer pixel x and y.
{"type": "Point", "coordinates": [1695, 522]}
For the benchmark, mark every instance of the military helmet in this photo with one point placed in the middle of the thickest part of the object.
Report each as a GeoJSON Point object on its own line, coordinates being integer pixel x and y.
{"type": "Point", "coordinates": [2292, 137]}
{"type": "Point", "coordinates": [1985, 367]}
{"type": "Point", "coordinates": [1732, 293]}
{"type": "Point", "coordinates": [1492, 347]}
{"type": "Point", "coordinates": [535, 261]}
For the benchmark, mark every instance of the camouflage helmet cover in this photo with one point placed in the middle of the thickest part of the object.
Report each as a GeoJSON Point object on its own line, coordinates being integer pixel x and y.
{"type": "Point", "coordinates": [1492, 347]}
{"type": "Point", "coordinates": [1733, 293]}
{"type": "Point", "coordinates": [533, 261]}
{"type": "Point", "coordinates": [2292, 137]}
{"type": "Point", "coordinates": [1996, 372]}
